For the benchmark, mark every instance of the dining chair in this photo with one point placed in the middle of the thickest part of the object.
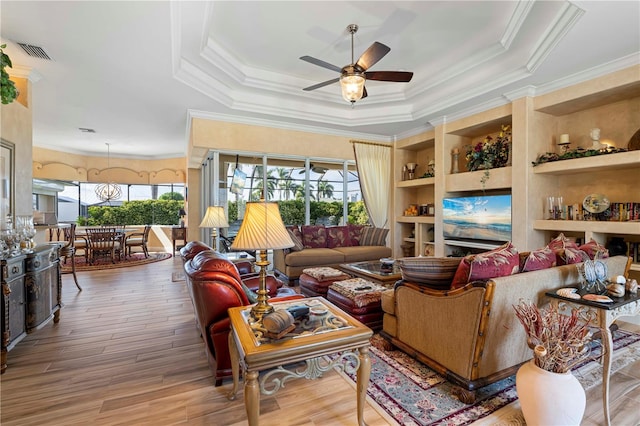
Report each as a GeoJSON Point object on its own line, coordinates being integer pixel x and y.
{"type": "Point", "coordinates": [138, 239]}
{"type": "Point", "coordinates": [102, 242]}
{"type": "Point", "coordinates": [66, 237]}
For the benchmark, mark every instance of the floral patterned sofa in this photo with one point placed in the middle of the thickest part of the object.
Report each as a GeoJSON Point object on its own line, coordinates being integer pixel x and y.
{"type": "Point", "coordinates": [319, 245]}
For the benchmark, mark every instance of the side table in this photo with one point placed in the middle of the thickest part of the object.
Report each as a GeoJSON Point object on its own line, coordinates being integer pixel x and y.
{"type": "Point", "coordinates": [327, 331]}
{"type": "Point", "coordinates": [605, 314]}
{"type": "Point", "coordinates": [178, 233]}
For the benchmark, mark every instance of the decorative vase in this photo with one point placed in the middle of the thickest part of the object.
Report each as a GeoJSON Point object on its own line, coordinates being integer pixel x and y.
{"type": "Point", "coordinates": [617, 246]}
{"type": "Point", "coordinates": [548, 398]}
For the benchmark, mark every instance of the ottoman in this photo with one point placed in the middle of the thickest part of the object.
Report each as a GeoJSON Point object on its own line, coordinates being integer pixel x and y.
{"type": "Point", "coordinates": [316, 281]}
{"type": "Point", "coordinates": [360, 299]}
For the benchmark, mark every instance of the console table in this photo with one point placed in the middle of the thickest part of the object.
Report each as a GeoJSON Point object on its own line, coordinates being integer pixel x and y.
{"type": "Point", "coordinates": [327, 331]}
{"type": "Point", "coordinates": [178, 233]}
{"type": "Point", "coordinates": [605, 314]}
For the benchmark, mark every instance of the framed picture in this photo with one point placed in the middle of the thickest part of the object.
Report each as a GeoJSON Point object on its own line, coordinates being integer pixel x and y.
{"type": "Point", "coordinates": [7, 191]}
{"type": "Point", "coordinates": [237, 183]}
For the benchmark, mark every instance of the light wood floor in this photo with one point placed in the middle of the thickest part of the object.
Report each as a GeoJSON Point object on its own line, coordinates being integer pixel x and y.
{"type": "Point", "coordinates": [127, 351]}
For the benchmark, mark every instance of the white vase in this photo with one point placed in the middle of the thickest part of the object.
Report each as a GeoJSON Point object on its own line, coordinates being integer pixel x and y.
{"type": "Point", "coordinates": [548, 398]}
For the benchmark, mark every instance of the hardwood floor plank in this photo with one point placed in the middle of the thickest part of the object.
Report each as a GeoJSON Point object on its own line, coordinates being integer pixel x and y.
{"type": "Point", "coordinates": [127, 351]}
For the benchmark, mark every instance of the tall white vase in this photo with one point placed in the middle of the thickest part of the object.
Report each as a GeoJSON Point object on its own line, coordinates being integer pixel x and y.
{"type": "Point", "coordinates": [548, 398]}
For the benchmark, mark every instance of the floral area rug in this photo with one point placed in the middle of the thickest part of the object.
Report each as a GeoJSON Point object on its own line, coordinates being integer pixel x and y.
{"type": "Point", "coordinates": [408, 393]}
{"type": "Point", "coordinates": [136, 259]}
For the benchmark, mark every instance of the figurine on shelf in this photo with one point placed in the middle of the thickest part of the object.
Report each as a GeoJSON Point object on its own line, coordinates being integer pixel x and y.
{"type": "Point", "coordinates": [454, 160]}
{"type": "Point", "coordinates": [595, 139]}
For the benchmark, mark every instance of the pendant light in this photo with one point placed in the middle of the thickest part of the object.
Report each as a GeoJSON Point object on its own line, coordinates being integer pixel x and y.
{"type": "Point", "coordinates": [109, 191]}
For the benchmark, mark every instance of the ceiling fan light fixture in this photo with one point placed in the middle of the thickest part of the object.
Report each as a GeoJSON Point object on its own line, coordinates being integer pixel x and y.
{"type": "Point", "coordinates": [352, 86]}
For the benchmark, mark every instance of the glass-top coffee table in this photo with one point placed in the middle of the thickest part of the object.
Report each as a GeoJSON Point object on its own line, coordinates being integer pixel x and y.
{"type": "Point", "coordinates": [373, 271]}
{"type": "Point", "coordinates": [327, 330]}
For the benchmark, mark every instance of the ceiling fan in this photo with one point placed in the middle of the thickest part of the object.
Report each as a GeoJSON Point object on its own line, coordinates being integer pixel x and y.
{"type": "Point", "coordinates": [353, 76]}
{"type": "Point", "coordinates": [316, 169]}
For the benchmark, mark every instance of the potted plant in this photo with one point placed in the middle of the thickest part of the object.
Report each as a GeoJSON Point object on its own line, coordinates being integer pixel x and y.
{"type": "Point", "coordinates": [8, 91]}
{"type": "Point", "coordinates": [548, 392]}
{"type": "Point", "coordinates": [489, 153]}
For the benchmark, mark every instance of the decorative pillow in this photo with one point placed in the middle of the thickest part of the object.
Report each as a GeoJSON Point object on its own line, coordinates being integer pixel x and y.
{"type": "Point", "coordinates": [355, 232]}
{"type": "Point", "coordinates": [561, 242]}
{"type": "Point", "coordinates": [296, 231]}
{"type": "Point", "coordinates": [314, 236]}
{"type": "Point", "coordinates": [499, 262]}
{"type": "Point", "coordinates": [594, 250]}
{"type": "Point", "coordinates": [566, 250]}
{"type": "Point", "coordinates": [297, 243]}
{"type": "Point", "coordinates": [537, 259]}
{"type": "Point", "coordinates": [338, 236]}
{"type": "Point", "coordinates": [373, 236]}
{"type": "Point", "coordinates": [434, 272]}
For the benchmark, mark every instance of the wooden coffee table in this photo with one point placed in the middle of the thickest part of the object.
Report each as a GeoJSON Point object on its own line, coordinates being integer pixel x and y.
{"type": "Point", "coordinates": [315, 336]}
{"type": "Point", "coordinates": [372, 271]}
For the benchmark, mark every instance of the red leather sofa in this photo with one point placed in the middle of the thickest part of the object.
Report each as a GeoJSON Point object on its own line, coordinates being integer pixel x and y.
{"type": "Point", "coordinates": [215, 286]}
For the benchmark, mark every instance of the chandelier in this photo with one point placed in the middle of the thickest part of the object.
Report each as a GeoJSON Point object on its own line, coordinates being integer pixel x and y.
{"type": "Point", "coordinates": [108, 191]}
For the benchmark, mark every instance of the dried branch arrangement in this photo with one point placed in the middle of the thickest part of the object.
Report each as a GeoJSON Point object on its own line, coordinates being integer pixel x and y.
{"type": "Point", "coordinates": [559, 341]}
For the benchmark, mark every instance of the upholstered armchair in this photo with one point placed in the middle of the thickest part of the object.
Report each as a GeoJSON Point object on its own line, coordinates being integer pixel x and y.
{"type": "Point", "coordinates": [215, 286]}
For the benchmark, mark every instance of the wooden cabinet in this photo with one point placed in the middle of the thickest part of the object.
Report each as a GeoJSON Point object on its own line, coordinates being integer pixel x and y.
{"type": "Point", "coordinates": [43, 286]}
{"type": "Point", "coordinates": [31, 294]}
{"type": "Point", "coordinates": [13, 305]}
{"type": "Point", "coordinates": [610, 103]}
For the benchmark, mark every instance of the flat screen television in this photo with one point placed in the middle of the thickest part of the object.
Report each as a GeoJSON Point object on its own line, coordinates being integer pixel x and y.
{"type": "Point", "coordinates": [485, 217]}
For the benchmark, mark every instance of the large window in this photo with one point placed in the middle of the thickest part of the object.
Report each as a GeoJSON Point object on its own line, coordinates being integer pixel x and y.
{"type": "Point", "coordinates": [308, 190]}
{"type": "Point", "coordinates": [72, 199]}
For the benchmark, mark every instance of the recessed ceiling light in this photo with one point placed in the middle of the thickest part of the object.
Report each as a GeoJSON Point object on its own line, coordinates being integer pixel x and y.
{"type": "Point", "coordinates": [86, 130]}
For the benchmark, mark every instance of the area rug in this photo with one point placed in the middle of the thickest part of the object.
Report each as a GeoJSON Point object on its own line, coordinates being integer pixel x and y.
{"type": "Point", "coordinates": [408, 393]}
{"type": "Point", "coordinates": [135, 259]}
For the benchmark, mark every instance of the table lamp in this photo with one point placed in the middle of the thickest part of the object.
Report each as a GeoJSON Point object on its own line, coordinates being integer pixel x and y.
{"type": "Point", "coordinates": [214, 218]}
{"type": "Point", "coordinates": [262, 229]}
{"type": "Point", "coordinates": [182, 214]}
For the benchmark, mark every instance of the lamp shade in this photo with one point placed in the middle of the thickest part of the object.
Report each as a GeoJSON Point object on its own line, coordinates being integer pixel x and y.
{"type": "Point", "coordinates": [214, 218]}
{"type": "Point", "coordinates": [182, 212]}
{"type": "Point", "coordinates": [262, 229]}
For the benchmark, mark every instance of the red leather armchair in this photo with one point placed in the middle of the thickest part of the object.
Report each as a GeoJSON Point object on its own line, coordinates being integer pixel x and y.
{"type": "Point", "coordinates": [215, 286]}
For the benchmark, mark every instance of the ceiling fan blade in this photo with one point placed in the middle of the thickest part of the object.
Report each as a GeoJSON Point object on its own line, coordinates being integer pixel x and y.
{"type": "Point", "coordinates": [364, 93]}
{"type": "Point", "coordinates": [373, 54]}
{"type": "Point", "coordinates": [319, 85]}
{"type": "Point", "coordinates": [320, 63]}
{"type": "Point", "coordinates": [398, 76]}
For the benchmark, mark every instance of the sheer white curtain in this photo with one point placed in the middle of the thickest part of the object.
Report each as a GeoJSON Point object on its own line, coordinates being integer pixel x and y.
{"type": "Point", "coordinates": [373, 162]}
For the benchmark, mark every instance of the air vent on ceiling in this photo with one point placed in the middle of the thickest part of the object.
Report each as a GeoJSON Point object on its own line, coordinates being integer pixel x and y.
{"type": "Point", "coordinates": [35, 51]}
{"type": "Point", "coordinates": [86, 130]}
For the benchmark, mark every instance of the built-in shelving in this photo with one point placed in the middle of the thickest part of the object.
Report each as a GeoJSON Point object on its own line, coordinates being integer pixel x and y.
{"type": "Point", "coordinates": [415, 219]}
{"type": "Point", "coordinates": [618, 161]}
{"type": "Point", "coordinates": [589, 226]}
{"type": "Point", "coordinates": [499, 178]}
{"type": "Point", "coordinates": [472, 244]}
{"type": "Point", "coordinates": [414, 183]}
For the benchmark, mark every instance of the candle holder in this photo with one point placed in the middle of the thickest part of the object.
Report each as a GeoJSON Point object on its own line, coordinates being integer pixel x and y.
{"type": "Point", "coordinates": [411, 170]}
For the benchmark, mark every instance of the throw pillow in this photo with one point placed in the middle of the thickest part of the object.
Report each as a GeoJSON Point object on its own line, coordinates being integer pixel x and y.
{"type": "Point", "coordinates": [566, 250]}
{"type": "Point", "coordinates": [499, 262]}
{"type": "Point", "coordinates": [338, 236]}
{"type": "Point", "coordinates": [537, 259]}
{"type": "Point", "coordinates": [314, 236]}
{"type": "Point", "coordinates": [355, 233]}
{"type": "Point", "coordinates": [297, 243]}
{"type": "Point", "coordinates": [373, 236]}
{"type": "Point", "coordinates": [296, 231]}
{"type": "Point", "coordinates": [433, 272]}
{"type": "Point", "coordinates": [594, 250]}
